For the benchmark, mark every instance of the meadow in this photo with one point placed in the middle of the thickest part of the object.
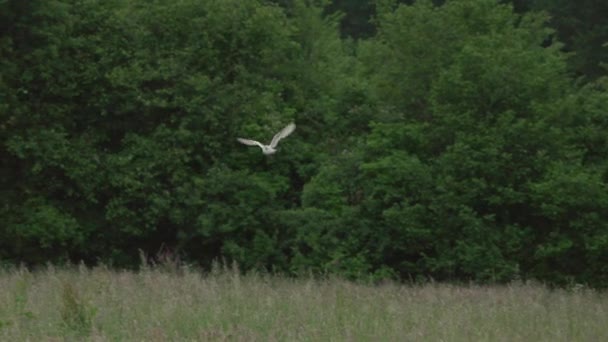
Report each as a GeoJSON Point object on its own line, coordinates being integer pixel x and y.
{"type": "Point", "coordinates": [161, 304]}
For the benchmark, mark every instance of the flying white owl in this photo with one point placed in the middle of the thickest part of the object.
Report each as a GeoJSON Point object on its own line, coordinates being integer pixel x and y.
{"type": "Point", "coordinates": [272, 147]}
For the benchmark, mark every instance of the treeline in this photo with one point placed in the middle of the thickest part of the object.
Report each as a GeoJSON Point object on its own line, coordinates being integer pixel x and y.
{"type": "Point", "coordinates": [455, 142]}
{"type": "Point", "coordinates": [580, 25]}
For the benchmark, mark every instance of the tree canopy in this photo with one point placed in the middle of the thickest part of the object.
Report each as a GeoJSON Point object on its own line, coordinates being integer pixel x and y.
{"type": "Point", "coordinates": [449, 140]}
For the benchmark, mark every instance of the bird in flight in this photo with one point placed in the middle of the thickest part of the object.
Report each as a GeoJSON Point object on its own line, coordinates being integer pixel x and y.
{"type": "Point", "coordinates": [272, 147]}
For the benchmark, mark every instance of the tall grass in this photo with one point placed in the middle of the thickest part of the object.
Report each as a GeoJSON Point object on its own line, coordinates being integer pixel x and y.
{"type": "Point", "coordinates": [100, 304]}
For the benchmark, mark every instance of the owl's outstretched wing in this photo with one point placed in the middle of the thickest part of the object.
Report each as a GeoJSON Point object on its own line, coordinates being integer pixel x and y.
{"type": "Point", "coordinates": [282, 134]}
{"type": "Point", "coordinates": [249, 142]}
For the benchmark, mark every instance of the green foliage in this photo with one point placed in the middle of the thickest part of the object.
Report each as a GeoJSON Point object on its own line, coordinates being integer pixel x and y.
{"type": "Point", "coordinates": [470, 132]}
{"type": "Point", "coordinates": [453, 144]}
{"type": "Point", "coordinates": [122, 111]}
{"type": "Point", "coordinates": [582, 27]}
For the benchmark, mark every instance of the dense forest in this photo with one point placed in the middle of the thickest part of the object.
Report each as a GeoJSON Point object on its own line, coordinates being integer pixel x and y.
{"type": "Point", "coordinates": [462, 140]}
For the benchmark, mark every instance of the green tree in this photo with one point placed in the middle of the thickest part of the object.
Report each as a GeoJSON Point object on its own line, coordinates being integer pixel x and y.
{"type": "Point", "coordinates": [582, 27]}
{"type": "Point", "coordinates": [120, 119]}
{"type": "Point", "coordinates": [469, 143]}
{"type": "Point", "coordinates": [453, 143]}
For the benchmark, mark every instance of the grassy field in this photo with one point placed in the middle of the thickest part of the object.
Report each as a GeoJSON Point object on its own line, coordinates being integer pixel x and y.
{"type": "Point", "coordinates": [155, 305]}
